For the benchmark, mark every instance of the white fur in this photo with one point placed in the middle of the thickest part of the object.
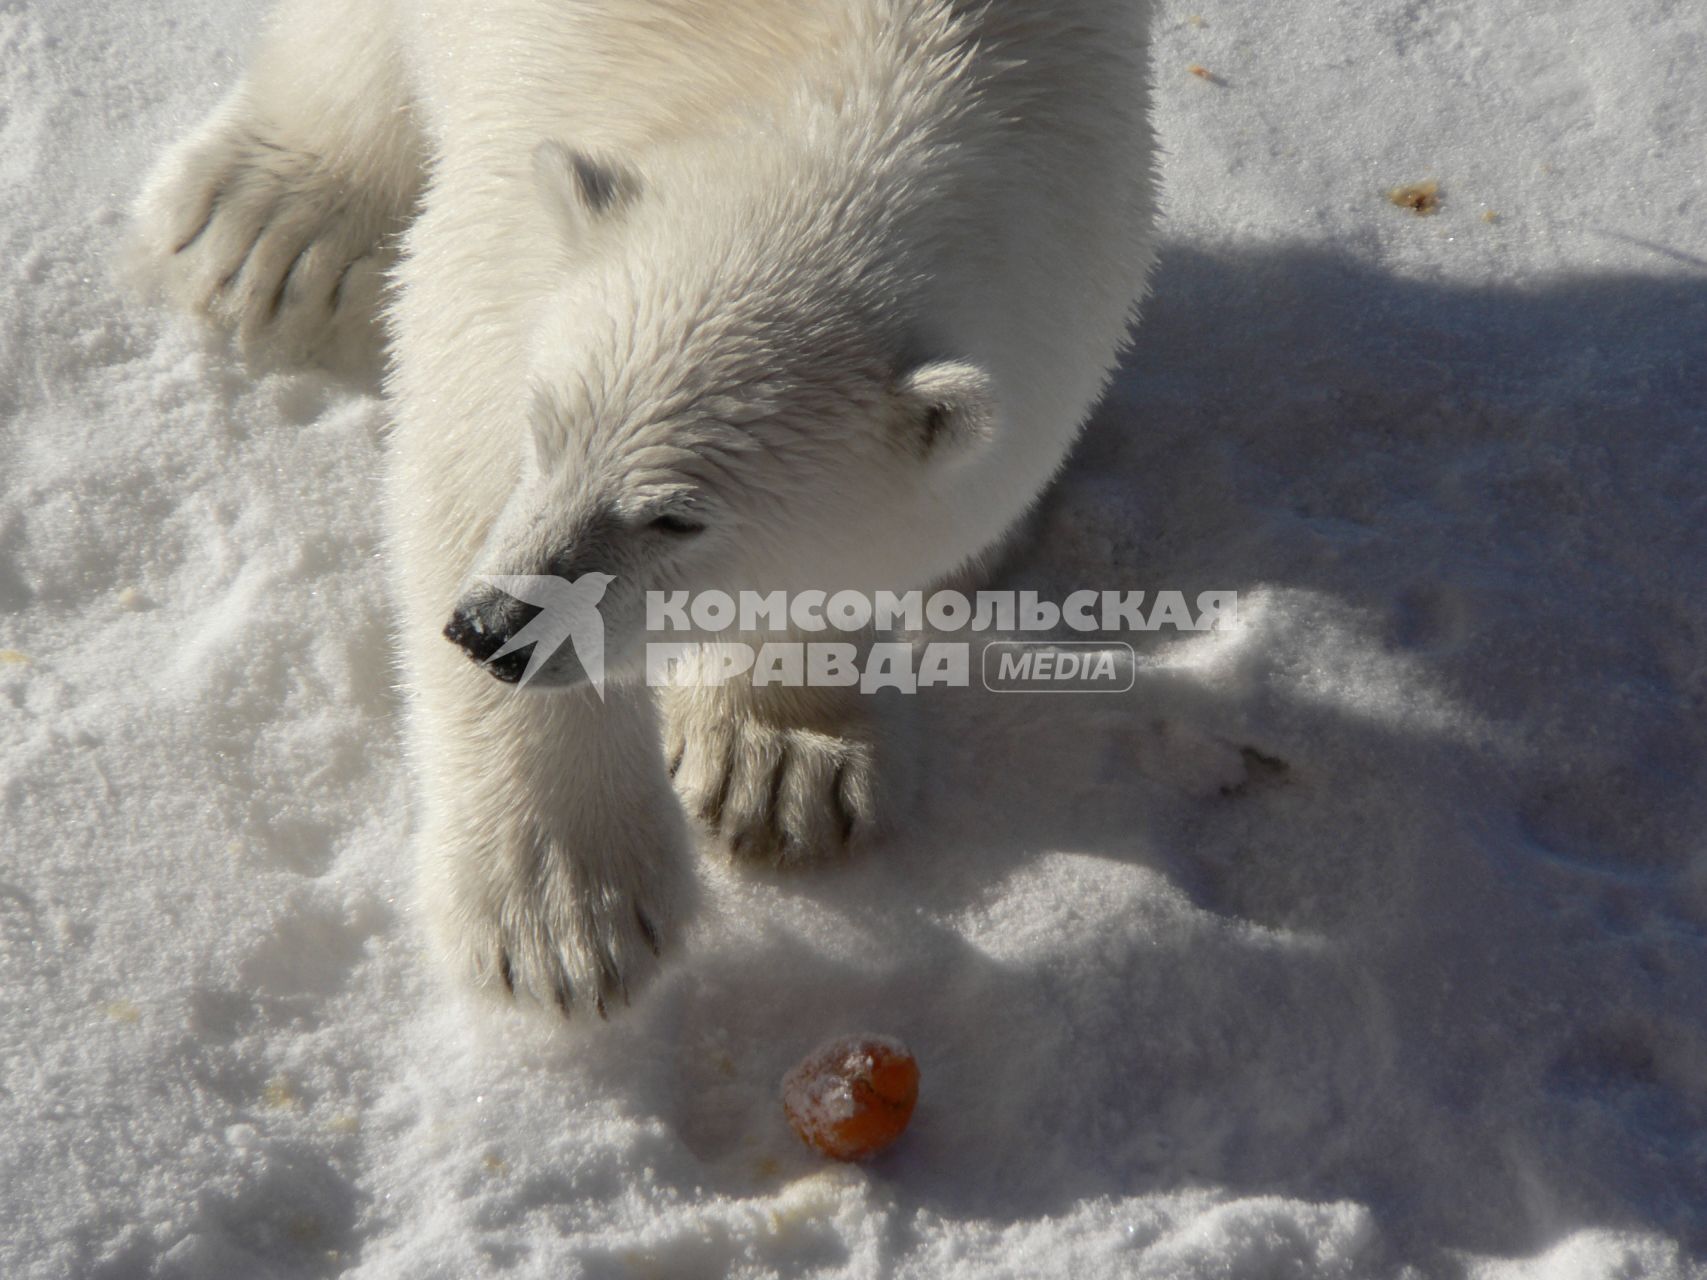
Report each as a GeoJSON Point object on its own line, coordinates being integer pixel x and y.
{"type": "Point", "coordinates": [841, 277]}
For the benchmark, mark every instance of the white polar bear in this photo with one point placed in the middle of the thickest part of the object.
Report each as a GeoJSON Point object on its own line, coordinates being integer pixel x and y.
{"type": "Point", "coordinates": [734, 294]}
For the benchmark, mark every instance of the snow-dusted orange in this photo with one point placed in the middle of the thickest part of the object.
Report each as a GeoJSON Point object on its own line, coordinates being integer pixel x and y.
{"type": "Point", "coordinates": [852, 1097]}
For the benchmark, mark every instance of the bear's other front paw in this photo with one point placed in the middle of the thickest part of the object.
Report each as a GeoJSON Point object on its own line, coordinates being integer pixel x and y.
{"type": "Point", "coordinates": [566, 927]}
{"type": "Point", "coordinates": [262, 239]}
{"type": "Point", "coordinates": [774, 794]}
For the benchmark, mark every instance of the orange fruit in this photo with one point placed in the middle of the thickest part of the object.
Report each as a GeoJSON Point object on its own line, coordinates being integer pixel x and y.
{"type": "Point", "coordinates": [852, 1097]}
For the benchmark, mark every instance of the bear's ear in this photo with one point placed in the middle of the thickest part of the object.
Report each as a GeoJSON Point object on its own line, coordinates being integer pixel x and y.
{"type": "Point", "coordinates": [949, 407]}
{"type": "Point", "coordinates": [578, 188]}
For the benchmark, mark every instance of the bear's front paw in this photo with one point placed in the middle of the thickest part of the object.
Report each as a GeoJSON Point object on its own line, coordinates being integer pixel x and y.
{"type": "Point", "coordinates": [569, 924]}
{"type": "Point", "coordinates": [263, 239]}
{"type": "Point", "coordinates": [777, 794]}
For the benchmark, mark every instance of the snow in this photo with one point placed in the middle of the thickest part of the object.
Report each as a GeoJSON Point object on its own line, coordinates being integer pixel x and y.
{"type": "Point", "coordinates": [1366, 939]}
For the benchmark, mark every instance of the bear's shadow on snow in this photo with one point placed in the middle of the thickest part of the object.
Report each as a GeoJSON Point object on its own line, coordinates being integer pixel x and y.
{"type": "Point", "coordinates": [1228, 995]}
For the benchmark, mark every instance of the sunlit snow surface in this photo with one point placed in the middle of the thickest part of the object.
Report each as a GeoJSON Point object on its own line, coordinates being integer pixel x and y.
{"type": "Point", "coordinates": [1365, 938]}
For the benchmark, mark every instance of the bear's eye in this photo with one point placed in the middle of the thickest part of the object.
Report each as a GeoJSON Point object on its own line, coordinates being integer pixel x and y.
{"type": "Point", "coordinates": [677, 526]}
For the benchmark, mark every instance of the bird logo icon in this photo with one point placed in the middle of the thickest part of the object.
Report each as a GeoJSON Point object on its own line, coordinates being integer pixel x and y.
{"type": "Point", "coordinates": [567, 611]}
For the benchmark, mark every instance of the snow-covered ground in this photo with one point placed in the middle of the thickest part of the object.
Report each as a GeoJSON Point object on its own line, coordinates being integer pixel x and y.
{"type": "Point", "coordinates": [1368, 938]}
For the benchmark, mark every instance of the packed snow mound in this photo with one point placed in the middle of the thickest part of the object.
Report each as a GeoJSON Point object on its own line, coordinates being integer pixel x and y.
{"type": "Point", "coordinates": [1367, 937]}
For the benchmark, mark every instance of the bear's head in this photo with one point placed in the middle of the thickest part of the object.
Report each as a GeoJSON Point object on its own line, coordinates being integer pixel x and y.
{"type": "Point", "coordinates": [730, 391]}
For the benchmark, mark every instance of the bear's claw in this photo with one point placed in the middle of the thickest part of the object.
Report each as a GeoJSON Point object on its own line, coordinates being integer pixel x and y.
{"type": "Point", "coordinates": [773, 794]}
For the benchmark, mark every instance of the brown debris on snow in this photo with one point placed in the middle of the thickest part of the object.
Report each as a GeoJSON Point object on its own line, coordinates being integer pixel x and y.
{"type": "Point", "coordinates": [1421, 198]}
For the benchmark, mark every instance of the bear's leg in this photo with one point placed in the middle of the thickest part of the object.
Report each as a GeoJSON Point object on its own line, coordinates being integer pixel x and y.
{"type": "Point", "coordinates": [778, 775]}
{"type": "Point", "coordinates": [275, 217]}
{"type": "Point", "coordinates": [554, 854]}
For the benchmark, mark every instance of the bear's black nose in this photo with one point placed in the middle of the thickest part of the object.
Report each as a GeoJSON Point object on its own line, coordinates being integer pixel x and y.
{"type": "Point", "coordinates": [484, 624]}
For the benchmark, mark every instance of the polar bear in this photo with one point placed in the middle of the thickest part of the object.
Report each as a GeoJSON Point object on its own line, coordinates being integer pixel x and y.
{"type": "Point", "coordinates": [734, 294]}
